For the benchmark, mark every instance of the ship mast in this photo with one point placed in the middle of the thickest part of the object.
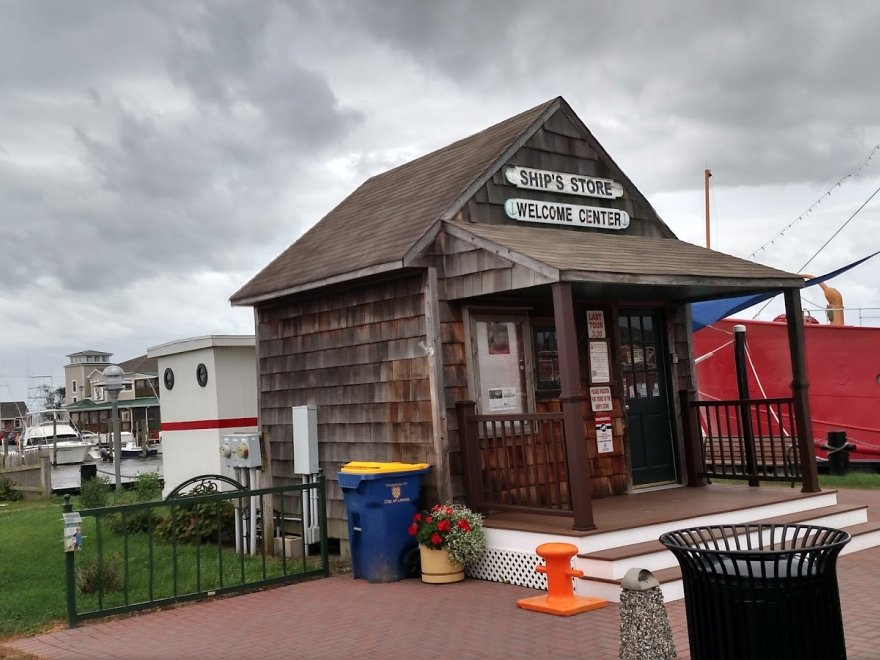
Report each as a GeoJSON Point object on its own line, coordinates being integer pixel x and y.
{"type": "Point", "coordinates": [706, 174]}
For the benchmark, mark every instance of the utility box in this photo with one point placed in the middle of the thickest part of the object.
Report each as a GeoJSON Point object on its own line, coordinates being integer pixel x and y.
{"type": "Point", "coordinates": [305, 439]}
{"type": "Point", "coordinates": [241, 450]}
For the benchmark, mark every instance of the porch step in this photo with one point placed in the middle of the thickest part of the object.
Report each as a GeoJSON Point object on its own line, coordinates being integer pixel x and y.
{"type": "Point", "coordinates": [613, 563]}
{"type": "Point", "coordinates": [864, 535]}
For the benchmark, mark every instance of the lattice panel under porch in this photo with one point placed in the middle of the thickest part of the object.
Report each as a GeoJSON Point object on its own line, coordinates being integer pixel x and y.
{"type": "Point", "coordinates": [510, 567]}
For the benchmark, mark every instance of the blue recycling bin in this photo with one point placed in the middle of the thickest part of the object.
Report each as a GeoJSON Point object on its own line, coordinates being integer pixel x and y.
{"type": "Point", "coordinates": [381, 499]}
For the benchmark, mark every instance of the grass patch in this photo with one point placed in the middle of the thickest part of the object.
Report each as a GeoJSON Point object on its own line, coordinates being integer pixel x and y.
{"type": "Point", "coordinates": [32, 566]}
{"type": "Point", "coordinates": [858, 480]}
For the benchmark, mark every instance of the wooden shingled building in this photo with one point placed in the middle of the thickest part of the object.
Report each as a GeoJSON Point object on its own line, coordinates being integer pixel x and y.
{"type": "Point", "coordinates": [509, 309]}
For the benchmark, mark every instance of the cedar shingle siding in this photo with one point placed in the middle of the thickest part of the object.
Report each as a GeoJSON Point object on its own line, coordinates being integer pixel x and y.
{"type": "Point", "coordinates": [345, 316]}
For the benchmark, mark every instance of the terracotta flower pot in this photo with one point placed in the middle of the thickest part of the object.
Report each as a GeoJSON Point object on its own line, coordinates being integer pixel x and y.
{"type": "Point", "coordinates": [437, 568]}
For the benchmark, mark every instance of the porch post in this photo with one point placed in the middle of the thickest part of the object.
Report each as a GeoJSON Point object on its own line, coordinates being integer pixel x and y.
{"type": "Point", "coordinates": [579, 482]}
{"type": "Point", "coordinates": [794, 315]}
{"type": "Point", "coordinates": [693, 449]}
{"type": "Point", "coordinates": [469, 453]}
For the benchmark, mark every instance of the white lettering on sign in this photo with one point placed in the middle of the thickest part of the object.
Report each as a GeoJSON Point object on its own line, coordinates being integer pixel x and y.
{"type": "Point", "coordinates": [574, 215]}
{"type": "Point", "coordinates": [563, 182]}
{"type": "Point", "coordinates": [600, 399]}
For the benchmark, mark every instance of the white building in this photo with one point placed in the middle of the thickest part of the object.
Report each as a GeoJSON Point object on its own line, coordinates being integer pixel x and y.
{"type": "Point", "coordinates": [208, 390]}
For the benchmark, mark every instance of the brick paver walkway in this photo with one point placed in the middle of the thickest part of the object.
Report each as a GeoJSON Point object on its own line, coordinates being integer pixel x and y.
{"type": "Point", "coordinates": [345, 618]}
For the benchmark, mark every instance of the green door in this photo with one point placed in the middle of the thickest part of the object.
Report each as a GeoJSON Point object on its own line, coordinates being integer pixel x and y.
{"type": "Point", "coordinates": [643, 357]}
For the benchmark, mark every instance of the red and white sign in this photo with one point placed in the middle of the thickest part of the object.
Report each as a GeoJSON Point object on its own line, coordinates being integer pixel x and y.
{"type": "Point", "coordinates": [600, 399]}
{"type": "Point", "coordinates": [604, 436]}
{"type": "Point", "coordinates": [596, 323]}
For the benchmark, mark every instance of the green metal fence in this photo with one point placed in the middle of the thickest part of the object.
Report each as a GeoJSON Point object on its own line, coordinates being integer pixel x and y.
{"type": "Point", "coordinates": [209, 542]}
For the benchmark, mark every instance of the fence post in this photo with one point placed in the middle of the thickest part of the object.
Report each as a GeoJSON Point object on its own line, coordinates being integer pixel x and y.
{"type": "Point", "coordinates": [322, 522]}
{"type": "Point", "coordinates": [46, 476]}
{"type": "Point", "coordinates": [69, 570]}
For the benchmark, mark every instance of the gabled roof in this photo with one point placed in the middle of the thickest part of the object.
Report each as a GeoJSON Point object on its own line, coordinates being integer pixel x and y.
{"type": "Point", "coordinates": [141, 365]}
{"type": "Point", "coordinates": [374, 228]}
{"type": "Point", "coordinates": [390, 220]}
{"type": "Point", "coordinates": [13, 409]}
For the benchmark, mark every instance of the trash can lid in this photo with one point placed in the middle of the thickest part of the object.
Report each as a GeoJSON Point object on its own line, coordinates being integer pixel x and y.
{"type": "Point", "coordinates": [370, 467]}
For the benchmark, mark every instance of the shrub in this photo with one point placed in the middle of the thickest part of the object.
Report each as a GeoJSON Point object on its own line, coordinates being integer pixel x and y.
{"type": "Point", "coordinates": [199, 521]}
{"type": "Point", "coordinates": [94, 493]}
{"type": "Point", "coordinates": [8, 492]}
{"type": "Point", "coordinates": [148, 487]}
{"type": "Point", "coordinates": [107, 574]}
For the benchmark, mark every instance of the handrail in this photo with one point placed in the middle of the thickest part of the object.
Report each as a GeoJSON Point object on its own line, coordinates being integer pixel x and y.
{"type": "Point", "coordinates": [514, 462]}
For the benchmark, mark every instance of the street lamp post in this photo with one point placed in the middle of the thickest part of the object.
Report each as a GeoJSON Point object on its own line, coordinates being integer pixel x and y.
{"type": "Point", "coordinates": [113, 385]}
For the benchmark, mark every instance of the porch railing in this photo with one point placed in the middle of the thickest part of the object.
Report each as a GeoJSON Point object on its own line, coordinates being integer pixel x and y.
{"type": "Point", "coordinates": [514, 462]}
{"type": "Point", "coordinates": [748, 439]}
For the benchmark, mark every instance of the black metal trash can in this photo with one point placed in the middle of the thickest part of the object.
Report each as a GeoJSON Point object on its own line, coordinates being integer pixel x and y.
{"type": "Point", "coordinates": [761, 591]}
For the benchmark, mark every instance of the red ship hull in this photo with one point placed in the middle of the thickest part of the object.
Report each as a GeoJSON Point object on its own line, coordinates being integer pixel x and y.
{"type": "Point", "coordinates": [843, 369]}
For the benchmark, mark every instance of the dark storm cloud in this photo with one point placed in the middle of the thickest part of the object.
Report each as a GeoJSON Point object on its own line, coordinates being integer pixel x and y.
{"type": "Point", "coordinates": [770, 92]}
{"type": "Point", "coordinates": [155, 155]}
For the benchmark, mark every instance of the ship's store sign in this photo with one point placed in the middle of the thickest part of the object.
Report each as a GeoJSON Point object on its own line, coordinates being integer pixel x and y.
{"type": "Point", "coordinates": [563, 182]}
{"type": "Point", "coordinates": [555, 213]}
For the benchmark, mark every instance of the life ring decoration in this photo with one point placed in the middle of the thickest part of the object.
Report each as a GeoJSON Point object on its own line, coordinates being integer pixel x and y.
{"type": "Point", "coordinates": [168, 377]}
{"type": "Point", "coordinates": [202, 374]}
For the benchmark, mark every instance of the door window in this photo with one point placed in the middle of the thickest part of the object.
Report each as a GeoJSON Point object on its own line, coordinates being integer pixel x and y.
{"type": "Point", "coordinates": [638, 356]}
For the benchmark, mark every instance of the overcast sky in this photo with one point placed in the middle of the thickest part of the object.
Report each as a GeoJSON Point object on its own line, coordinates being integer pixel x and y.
{"type": "Point", "coordinates": [154, 156]}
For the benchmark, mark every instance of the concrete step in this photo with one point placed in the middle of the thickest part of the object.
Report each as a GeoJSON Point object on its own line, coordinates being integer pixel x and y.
{"type": "Point", "coordinates": [864, 535]}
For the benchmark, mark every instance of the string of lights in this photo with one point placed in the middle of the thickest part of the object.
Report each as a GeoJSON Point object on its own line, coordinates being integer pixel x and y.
{"type": "Point", "coordinates": [809, 211]}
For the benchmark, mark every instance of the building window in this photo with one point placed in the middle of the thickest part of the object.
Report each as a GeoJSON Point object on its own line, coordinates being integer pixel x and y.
{"type": "Point", "coordinates": [502, 362]}
{"type": "Point", "coordinates": [546, 359]}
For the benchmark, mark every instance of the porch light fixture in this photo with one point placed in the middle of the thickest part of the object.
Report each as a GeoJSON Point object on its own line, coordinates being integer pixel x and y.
{"type": "Point", "coordinates": [113, 385]}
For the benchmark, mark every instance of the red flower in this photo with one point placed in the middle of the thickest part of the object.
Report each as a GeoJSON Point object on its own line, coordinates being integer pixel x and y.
{"type": "Point", "coordinates": [444, 526]}
{"type": "Point", "coordinates": [429, 520]}
{"type": "Point", "coordinates": [436, 539]}
{"type": "Point", "coordinates": [436, 507]}
{"type": "Point", "coordinates": [464, 525]}
{"type": "Point", "coordinates": [449, 511]}
{"type": "Point", "coordinates": [417, 517]}
{"type": "Point", "coordinates": [413, 529]}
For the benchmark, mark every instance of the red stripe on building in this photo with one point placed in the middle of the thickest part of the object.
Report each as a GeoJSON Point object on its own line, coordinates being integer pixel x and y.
{"type": "Point", "coordinates": [202, 424]}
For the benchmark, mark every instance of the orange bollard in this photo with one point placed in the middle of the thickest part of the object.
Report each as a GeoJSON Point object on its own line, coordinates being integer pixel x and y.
{"type": "Point", "coordinates": [560, 598]}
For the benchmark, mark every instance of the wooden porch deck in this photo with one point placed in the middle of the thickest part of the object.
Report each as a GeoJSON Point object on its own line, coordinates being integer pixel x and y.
{"type": "Point", "coordinates": [650, 507]}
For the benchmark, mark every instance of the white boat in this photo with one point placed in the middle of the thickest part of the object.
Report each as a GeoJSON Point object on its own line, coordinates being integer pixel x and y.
{"type": "Point", "coordinates": [129, 446]}
{"type": "Point", "coordinates": [52, 429]}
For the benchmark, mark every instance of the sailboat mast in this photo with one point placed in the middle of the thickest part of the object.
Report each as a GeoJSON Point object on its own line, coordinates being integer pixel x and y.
{"type": "Point", "coordinates": [706, 174]}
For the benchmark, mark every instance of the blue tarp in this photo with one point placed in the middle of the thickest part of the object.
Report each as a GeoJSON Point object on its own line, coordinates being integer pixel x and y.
{"type": "Point", "coordinates": [707, 312]}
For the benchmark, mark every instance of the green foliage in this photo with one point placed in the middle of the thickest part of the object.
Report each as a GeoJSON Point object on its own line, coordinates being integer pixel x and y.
{"type": "Point", "coordinates": [148, 487]}
{"type": "Point", "coordinates": [451, 527]}
{"type": "Point", "coordinates": [208, 521]}
{"type": "Point", "coordinates": [94, 493]}
{"type": "Point", "coordinates": [8, 492]}
{"type": "Point", "coordinates": [107, 574]}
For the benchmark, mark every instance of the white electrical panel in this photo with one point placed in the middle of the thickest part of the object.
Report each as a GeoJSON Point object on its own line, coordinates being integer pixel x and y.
{"type": "Point", "coordinates": [305, 440]}
{"type": "Point", "coordinates": [241, 450]}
